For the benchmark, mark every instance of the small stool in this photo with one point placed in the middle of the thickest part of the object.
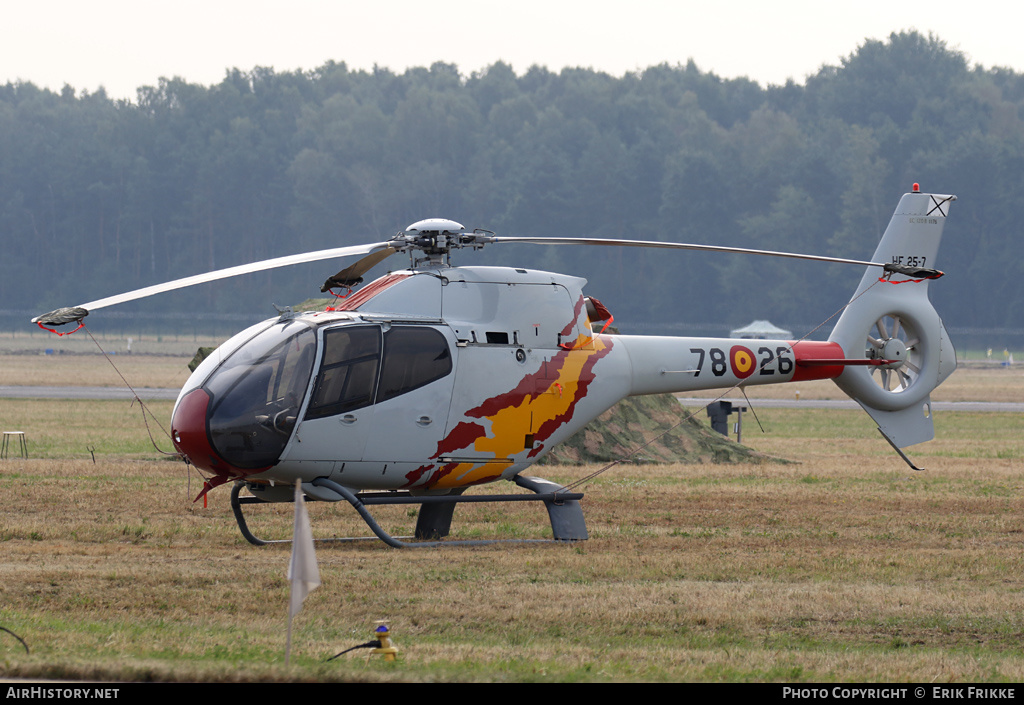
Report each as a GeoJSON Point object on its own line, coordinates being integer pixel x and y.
{"type": "Point", "coordinates": [6, 444]}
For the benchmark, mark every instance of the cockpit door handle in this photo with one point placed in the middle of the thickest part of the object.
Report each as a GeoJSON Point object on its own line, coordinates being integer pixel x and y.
{"type": "Point", "coordinates": [348, 419]}
{"type": "Point", "coordinates": [424, 421]}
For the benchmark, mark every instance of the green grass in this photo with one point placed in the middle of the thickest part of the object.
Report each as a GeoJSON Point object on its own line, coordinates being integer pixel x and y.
{"type": "Point", "coordinates": [843, 567]}
{"type": "Point", "coordinates": [70, 428]}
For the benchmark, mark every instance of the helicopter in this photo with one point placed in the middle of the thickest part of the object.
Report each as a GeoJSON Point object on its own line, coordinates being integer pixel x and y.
{"type": "Point", "coordinates": [436, 378]}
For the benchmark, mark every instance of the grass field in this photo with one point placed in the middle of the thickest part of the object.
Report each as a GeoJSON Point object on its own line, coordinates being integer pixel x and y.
{"type": "Point", "coordinates": [844, 565]}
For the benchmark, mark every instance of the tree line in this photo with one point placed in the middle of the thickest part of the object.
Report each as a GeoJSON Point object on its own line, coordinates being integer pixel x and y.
{"type": "Point", "coordinates": [99, 196]}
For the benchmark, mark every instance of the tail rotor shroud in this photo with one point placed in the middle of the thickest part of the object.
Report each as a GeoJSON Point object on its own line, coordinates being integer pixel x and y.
{"type": "Point", "coordinates": [901, 347]}
{"type": "Point", "coordinates": [890, 318]}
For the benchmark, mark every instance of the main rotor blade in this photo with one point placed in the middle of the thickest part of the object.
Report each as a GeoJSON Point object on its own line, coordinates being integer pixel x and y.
{"type": "Point", "coordinates": [353, 274]}
{"type": "Point", "coordinates": [676, 246]}
{"type": "Point", "coordinates": [229, 272]}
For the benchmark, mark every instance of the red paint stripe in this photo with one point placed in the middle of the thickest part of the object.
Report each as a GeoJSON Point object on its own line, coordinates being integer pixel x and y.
{"type": "Point", "coordinates": [570, 327]}
{"type": "Point", "coordinates": [351, 303]}
{"type": "Point", "coordinates": [462, 436]}
{"type": "Point", "coordinates": [818, 351]}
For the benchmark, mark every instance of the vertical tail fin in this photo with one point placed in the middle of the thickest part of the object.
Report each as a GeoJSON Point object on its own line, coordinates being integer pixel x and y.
{"type": "Point", "coordinates": [891, 320]}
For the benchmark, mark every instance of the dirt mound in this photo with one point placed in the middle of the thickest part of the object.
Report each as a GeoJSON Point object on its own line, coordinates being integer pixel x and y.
{"type": "Point", "coordinates": [632, 422]}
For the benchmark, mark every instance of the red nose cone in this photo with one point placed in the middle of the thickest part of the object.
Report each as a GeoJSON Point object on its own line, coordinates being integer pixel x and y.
{"type": "Point", "coordinates": [188, 429]}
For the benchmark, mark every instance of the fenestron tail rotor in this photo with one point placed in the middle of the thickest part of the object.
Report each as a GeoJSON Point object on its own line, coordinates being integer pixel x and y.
{"type": "Point", "coordinates": [892, 339]}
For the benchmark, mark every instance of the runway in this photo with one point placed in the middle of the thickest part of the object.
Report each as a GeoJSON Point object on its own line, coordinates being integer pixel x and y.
{"type": "Point", "coordinates": [850, 404]}
{"type": "Point", "coordinates": [150, 393]}
{"type": "Point", "coordinates": [145, 393]}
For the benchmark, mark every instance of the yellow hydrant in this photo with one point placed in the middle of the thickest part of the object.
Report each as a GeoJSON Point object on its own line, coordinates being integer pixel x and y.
{"type": "Point", "coordinates": [386, 649]}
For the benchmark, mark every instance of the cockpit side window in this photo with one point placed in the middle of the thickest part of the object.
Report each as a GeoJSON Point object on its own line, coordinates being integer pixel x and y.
{"type": "Point", "coordinates": [413, 357]}
{"type": "Point", "coordinates": [348, 374]}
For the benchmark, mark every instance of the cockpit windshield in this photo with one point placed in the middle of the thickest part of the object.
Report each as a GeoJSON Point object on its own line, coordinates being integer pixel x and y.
{"type": "Point", "coordinates": [256, 394]}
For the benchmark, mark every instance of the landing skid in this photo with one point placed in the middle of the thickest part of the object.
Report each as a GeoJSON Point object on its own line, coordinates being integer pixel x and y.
{"type": "Point", "coordinates": [435, 515]}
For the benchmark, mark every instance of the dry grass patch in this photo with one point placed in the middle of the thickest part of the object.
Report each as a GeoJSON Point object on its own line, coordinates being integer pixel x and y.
{"type": "Point", "coordinates": [845, 566]}
{"type": "Point", "coordinates": [70, 428]}
{"type": "Point", "coordinates": [94, 370]}
{"type": "Point", "coordinates": [814, 572]}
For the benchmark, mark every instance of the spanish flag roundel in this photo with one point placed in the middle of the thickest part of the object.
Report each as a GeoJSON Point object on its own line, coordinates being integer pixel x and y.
{"type": "Point", "coordinates": [742, 361]}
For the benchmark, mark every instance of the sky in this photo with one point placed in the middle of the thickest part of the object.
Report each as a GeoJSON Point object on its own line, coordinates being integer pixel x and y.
{"type": "Point", "coordinates": [124, 44]}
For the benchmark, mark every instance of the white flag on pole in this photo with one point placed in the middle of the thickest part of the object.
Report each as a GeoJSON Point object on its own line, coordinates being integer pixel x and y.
{"type": "Point", "coordinates": [303, 573]}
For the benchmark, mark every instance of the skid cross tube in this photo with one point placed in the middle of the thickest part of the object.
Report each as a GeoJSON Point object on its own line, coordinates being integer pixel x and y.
{"type": "Point", "coordinates": [564, 511]}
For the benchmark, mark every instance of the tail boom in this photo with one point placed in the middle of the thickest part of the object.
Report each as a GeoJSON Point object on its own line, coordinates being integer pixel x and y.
{"type": "Point", "coordinates": [667, 364]}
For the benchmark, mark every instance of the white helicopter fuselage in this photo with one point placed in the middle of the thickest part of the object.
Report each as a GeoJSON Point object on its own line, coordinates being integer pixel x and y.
{"type": "Point", "coordinates": [436, 379]}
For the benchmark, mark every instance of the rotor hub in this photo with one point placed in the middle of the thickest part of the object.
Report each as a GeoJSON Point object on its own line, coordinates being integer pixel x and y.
{"type": "Point", "coordinates": [437, 237]}
{"type": "Point", "coordinates": [436, 225]}
{"type": "Point", "coordinates": [895, 351]}
{"type": "Point", "coordinates": [433, 236]}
